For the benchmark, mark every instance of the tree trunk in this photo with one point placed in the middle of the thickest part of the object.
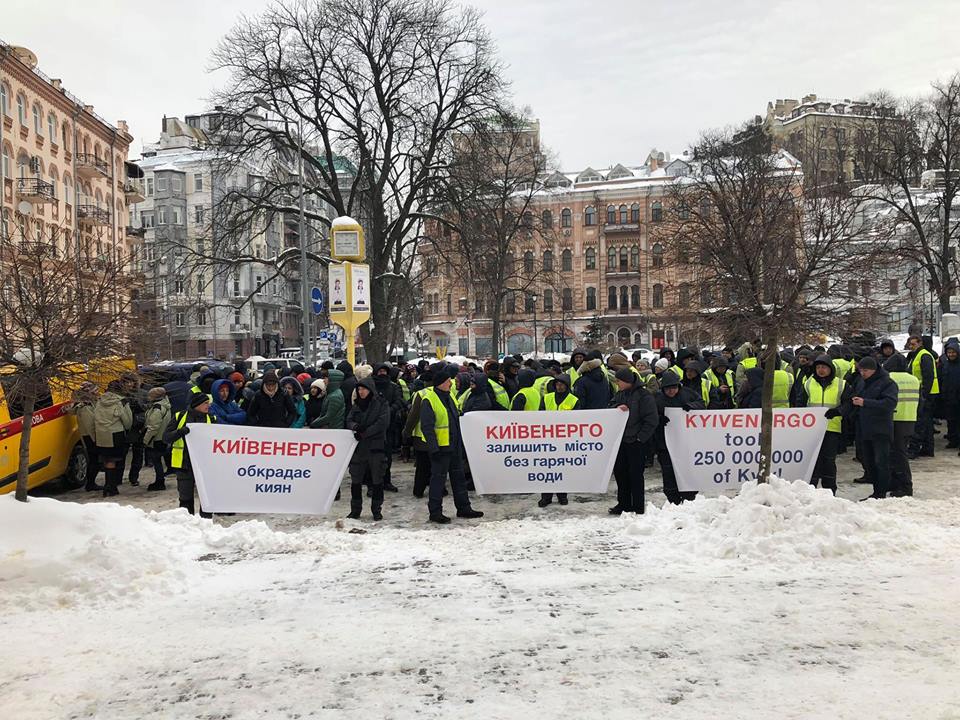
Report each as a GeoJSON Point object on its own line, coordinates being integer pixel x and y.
{"type": "Point", "coordinates": [770, 358]}
{"type": "Point", "coordinates": [495, 319]}
{"type": "Point", "coordinates": [23, 468]}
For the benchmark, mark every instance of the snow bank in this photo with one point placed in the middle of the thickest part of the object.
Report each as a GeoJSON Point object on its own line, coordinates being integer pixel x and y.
{"type": "Point", "coordinates": [782, 520]}
{"type": "Point", "coordinates": [62, 554]}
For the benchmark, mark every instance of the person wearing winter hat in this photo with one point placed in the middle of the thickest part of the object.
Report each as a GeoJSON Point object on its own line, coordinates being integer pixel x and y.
{"type": "Point", "coordinates": [592, 388]}
{"type": "Point", "coordinates": [84, 407]}
{"type": "Point", "coordinates": [411, 436]}
{"type": "Point", "coordinates": [331, 416]}
{"type": "Point", "coordinates": [874, 402]}
{"type": "Point", "coordinates": [659, 367]}
{"type": "Point", "coordinates": [369, 420]}
{"type": "Point", "coordinates": [904, 419]}
{"type": "Point", "coordinates": [156, 418]}
{"type": "Point", "coordinates": [173, 436]}
{"type": "Point", "coordinates": [271, 407]}
{"type": "Point", "coordinates": [642, 421]}
{"type": "Point", "coordinates": [672, 395]}
{"type": "Point", "coordinates": [314, 400]}
{"type": "Point", "coordinates": [824, 389]}
{"type": "Point", "coordinates": [113, 419]}
{"type": "Point", "coordinates": [560, 399]}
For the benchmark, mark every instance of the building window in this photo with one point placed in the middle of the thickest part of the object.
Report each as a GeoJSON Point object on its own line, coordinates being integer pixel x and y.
{"type": "Point", "coordinates": [236, 286]}
{"type": "Point", "coordinates": [162, 216]}
{"type": "Point", "coordinates": [865, 288]}
{"type": "Point", "coordinates": [634, 296]}
{"type": "Point", "coordinates": [611, 258]}
{"type": "Point", "coordinates": [623, 215]}
{"type": "Point", "coordinates": [37, 120]}
{"type": "Point", "coordinates": [658, 295]}
{"type": "Point", "coordinates": [52, 127]}
{"type": "Point", "coordinates": [706, 297]}
{"type": "Point", "coordinates": [178, 286]}
{"type": "Point", "coordinates": [548, 300]}
{"type": "Point", "coordinates": [477, 305]}
{"type": "Point", "coordinates": [591, 298]}
{"type": "Point", "coordinates": [658, 255]}
{"type": "Point", "coordinates": [21, 109]}
{"type": "Point", "coordinates": [177, 216]}
{"type": "Point", "coordinates": [567, 299]}
{"type": "Point", "coordinates": [566, 261]}
{"type": "Point", "coordinates": [198, 214]}
{"type": "Point", "coordinates": [611, 215]}
{"type": "Point", "coordinates": [546, 217]}
{"type": "Point", "coordinates": [624, 294]}
{"type": "Point", "coordinates": [236, 316]}
{"type": "Point", "coordinates": [6, 162]}
{"type": "Point", "coordinates": [198, 182]}
{"type": "Point", "coordinates": [894, 286]}
{"type": "Point", "coordinates": [635, 213]}
{"type": "Point", "coordinates": [146, 220]}
{"type": "Point", "coordinates": [180, 319]}
{"type": "Point", "coordinates": [566, 218]}
{"type": "Point", "coordinates": [528, 262]}
{"type": "Point", "coordinates": [548, 261]}
{"type": "Point", "coordinates": [656, 212]}
{"type": "Point", "coordinates": [590, 259]}
{"type": "Point", "coordinates": [4, 99]}
{"type": "Point", "coordinates": [635, 257]}
{"type": "Point", "coordinates": [201, 317]}
{"type": "Point", "coordinates": [612, 298]}
{"type": "Point", "coordinates": [683, 212]}
{"type": "Point", "coordinates": [161, 184]}
{"type": "Point", "coordinates": [528, 304]}
{"type": "Point", "coordinates": [149, 186]}
{"type": "Point", "coordinates": [177, 184]}
{"type": "Point", "coordinates": [684, 296]}
{"type": "Point", "coordinates": [852, 288]}
{"type": "Point", "coordinates": [511, 304]}
{"type": "Point", "coordinates": [590, 216]}
{"type": "Point", "coordinates": [623, 259]}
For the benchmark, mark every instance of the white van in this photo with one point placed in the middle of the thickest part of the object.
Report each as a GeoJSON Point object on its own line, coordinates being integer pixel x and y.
{"type": "Point", "coordinates": [255, 363]}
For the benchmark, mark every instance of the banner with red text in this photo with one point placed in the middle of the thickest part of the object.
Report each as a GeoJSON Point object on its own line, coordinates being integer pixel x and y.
{"type": "Point", "coordinates": [533, 452]}
{"type": "Point", "coordinates": [720, 449]}
{"type": "Point", "coordinates": [246, 469]}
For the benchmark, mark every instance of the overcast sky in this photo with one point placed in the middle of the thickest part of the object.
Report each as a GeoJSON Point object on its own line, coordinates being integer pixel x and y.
{"type": "Point", "coordinates": [608, 79]}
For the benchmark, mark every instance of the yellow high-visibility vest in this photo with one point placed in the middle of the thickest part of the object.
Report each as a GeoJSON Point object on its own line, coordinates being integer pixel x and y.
{"type": "Point", "coordinates": [568, 403]}
{"type": "Point", "coordinates": [908, 398]}
{"type": "Point", "coordinates": [782, 383]}
{"type": "Point", "coordinates": [176, 450]}
{"type": "Point", "coordinates": [442, 425]}
{"type": "Point", "coordinates": [918, 374]}
{"type": "Point", "coordinates": [531, 398]}
{"type": "Point", "coordinates": [828, 397]}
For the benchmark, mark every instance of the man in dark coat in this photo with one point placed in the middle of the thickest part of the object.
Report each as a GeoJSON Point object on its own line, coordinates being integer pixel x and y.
{"type": "Point", "coordinates": [421, 456]}
{"type": "Point", "coordinates": [642, 421]}
{"type": "Point", "coordinates": [920, 355]}
{"type": "Point", "coordinates": [270, 407]}
{"type": "Point", "coordinates": [873, 403]}
{"type": "Point", "coordinates": [672, 394]}
{"type": "Point", "coordinates": [445, 445]}
{"type": "Point", "coordinates": [369, 420]}
{"type": "Point", "coordinates": [174, 435]}
{"type": "Point", "coordinates": [750, 394]}
{"type": "Point", "coordinates": [592, 388]}
{"type": "Point", "coordinates": [393, 397]}
{"type": "Point", "coordinates": [511, 369]}
{"type": "Point", "coordinates": [949, 375]}
{"type": "Point", "coordinates": [348, 384]}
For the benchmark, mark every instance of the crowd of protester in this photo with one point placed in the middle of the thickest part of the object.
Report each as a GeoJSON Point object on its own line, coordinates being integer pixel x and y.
{"type": "Point", "coordinates": [881, 404]}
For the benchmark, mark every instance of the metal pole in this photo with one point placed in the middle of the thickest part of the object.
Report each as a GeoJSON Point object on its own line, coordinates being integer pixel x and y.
{"type": "Point", "coordinates": [536, 348]}
{"type": "Point", "coordinates": [304, 294]}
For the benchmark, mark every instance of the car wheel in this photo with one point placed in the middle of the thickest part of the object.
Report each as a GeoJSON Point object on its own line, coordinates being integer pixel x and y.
{"type": "Point", "coordinates": [76, 475]}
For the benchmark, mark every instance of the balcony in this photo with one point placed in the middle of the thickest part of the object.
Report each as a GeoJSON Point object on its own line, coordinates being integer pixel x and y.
{"type": "Point", "coordinates": [135, 231]}
{"type": "Point", "coordinates": [35, 191]}
{"type": "Point", "coordinates": [91, 166]}
{"type": "Point", "coordinates": [241, 329]}
{"type": "Point", "coordinates": [611, 228]}
{"type": "Point", "coordinates": [93, 215]}
{"type": "Point", "coordinates": [133, 191]}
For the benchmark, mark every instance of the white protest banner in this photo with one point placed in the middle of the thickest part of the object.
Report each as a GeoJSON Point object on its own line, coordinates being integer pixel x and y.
{"type": "Point", "coordinates": [720, 449]}
{"type": "Point", "coordinates": [532, 452]}
{"type": "Point", "coordinates": [268, 470]}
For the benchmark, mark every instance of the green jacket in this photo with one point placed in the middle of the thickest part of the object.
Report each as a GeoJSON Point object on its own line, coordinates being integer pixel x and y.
{"type": "Point", "coordinates": [84, 410]}
{"type": "Point", "coordinates": [157, 418]}
{"type": "Point", "coordinates": [333, 408]}
{"type": "Point", "coordinates": [111, 416]}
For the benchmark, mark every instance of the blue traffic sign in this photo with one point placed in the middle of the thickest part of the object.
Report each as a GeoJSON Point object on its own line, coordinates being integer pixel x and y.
{"type": "Point", "coordinates": [316, 296]}
{"type": "Point", "coordinates": [323, 334]}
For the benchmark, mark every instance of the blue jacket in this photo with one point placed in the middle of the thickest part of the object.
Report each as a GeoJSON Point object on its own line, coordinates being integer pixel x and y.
{"type": "Point", "coordinates": [226, 412]}
{"type": "Point", "coordinates": [301, 418]}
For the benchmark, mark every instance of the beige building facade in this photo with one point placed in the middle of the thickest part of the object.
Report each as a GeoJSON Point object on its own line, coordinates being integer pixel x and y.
{"type": "Point", "coordinates": [64, 178]}
{"type": "Point", "coordinates": [599, 239]}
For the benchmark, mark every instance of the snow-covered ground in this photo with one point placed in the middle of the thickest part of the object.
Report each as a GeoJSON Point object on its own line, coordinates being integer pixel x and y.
{"type": "Point", "coordinates": [781, 602]}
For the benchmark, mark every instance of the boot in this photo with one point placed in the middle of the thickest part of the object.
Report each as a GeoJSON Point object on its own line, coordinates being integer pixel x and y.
{"type": "Point", "coordinates": [562, 497]}
{"type": "Point", "coordinates": [135, 482]}
{"type": "Point", "coordinates": [377, 504]}
{"type": "Point", "coordinates": [156, 486]}
{"type": "Point", "coordinates": [93, 487]}
{"type": "Point", "coordinates": [440, 519]}
{"type": "Point", "coordinates": [469, 514]}
{"type": "Point", "coordinates": [616, 510]}
{"type": "Point", "coordinates": [356, 501]}
{"type": "Point", "coordinates": [390, 487]}
{"type": "Point", "coordinates": [544, 500]}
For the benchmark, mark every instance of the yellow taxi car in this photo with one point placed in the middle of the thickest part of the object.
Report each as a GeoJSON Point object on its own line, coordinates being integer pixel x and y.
{"type": "Point", "coordinates": [56, 450]}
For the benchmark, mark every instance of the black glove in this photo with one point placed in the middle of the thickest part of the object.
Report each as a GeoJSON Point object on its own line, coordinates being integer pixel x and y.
{"type": "Point", "coordinates": [687, 407]}
{"type": "Point", "coordinates": [185, 430]}
{"type": "Point", "coordinates": [665, 420]}
{"type": "Point", "coordinates": [358, 434]}
{"type": "Point", "coordinates": [832, 413]}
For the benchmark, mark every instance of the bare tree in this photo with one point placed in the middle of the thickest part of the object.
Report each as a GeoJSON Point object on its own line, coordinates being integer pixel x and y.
{"type": "Point", "coordinates": [895, 148]}
{"type": "Point", "coordinates": [763, 253]}
{"type": "Point", "coordinates": [57, 312]}
{"type": "Point", "coordinates": [490, 235]}
{"type": "Point", "coordinates": [383, 83]}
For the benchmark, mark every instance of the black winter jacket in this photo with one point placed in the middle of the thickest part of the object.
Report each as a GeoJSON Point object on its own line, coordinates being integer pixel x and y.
{"type": "Point", "coordinates": [643, 419]}
{"type": "Point", "coordinates": [686, 398]}
{"type": "Point", "coordinates": [880, 395]}
{"type": "Point", "coordinates": [371, 422]}
{"type": "Point", "coordinates": [277, 411]}
{"type": "Point", "coordinates": [592, 387]}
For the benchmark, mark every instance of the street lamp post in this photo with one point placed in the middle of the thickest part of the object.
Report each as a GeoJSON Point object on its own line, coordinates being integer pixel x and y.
{"type": "Point", "coordinates": [305, 305]}
{"type": "Point", "coordinates": [536, 349]}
